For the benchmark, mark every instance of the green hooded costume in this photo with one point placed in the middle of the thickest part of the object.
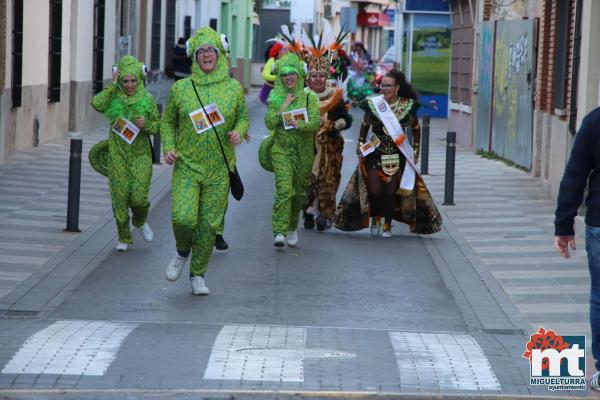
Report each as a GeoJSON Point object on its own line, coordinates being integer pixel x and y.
{"type": "Point", "coordinates": [292, 151]}
{"type": "Point", "coordinates": [200, 184]}
{"type": "Point", "coordinates": [128, 166]}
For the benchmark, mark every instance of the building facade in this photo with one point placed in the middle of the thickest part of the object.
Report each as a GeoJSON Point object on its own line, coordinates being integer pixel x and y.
{"type": "Point", "coordinates": [58, 53]}
{"type": "Point", "coordinates": [523, 84]}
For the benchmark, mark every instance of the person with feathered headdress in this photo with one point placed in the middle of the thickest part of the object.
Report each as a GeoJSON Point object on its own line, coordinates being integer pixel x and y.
{"type": "Point", "coordinates": [126, 163]}
{"type": "Point", "coordinates": [323, 182]}
{"type": "Point", "coordinates": [203, 153]}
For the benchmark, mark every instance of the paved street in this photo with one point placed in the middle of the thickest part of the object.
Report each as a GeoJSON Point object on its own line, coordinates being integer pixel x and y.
{"type": "Point", "coordinates": [341, 315]}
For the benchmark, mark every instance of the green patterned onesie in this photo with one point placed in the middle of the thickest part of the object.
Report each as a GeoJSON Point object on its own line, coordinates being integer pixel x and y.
{"type": "Point", "coordinates": [292, 152]}
{"type": "Point", "coordinates": [200, 184]}
{"type": "Point", "coordinates": [129, 165]}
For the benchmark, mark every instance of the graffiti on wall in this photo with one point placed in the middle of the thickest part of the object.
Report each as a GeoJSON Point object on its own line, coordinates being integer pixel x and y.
{"type": "Point", "coordinates": [512, 103]}
{"type": "Point", "coordinates": [517, 55]}
{"type": "Point", "coordinates": [485, 61]}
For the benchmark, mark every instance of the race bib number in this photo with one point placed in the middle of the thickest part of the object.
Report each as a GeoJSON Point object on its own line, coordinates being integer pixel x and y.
{"type": "Point", "coordinates": [202, 120]}
{"type": "Point", "coordinates": [289, 117]}
{"type": "Point", "coordinates": [125, 129]}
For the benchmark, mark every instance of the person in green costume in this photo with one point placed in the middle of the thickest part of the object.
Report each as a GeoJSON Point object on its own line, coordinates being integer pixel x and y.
{"type": "Point", "coordinates": [200, 184]}
{"type": "Point", "coordinates": [129, 164]}
{"type": "Point", "coordinates": [292, 150]}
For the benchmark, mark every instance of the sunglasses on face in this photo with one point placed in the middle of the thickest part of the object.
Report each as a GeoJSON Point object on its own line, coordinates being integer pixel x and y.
{"type": "Point", "coordinates": [207, 50]}
{"type": "Point", "coordinates": [288, 75]}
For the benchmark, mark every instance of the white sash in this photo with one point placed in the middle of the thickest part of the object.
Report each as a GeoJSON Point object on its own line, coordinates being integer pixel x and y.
{"type": "Point", "coordinates": [395, 131]}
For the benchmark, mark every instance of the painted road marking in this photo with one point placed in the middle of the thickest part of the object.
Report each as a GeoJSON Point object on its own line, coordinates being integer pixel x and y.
{"type": "Point", "coordinates": [70, 348]}
{"type": "Point", "coordinates": [263, 353]}
{"type": "Point", "coordinates": [442, 361]}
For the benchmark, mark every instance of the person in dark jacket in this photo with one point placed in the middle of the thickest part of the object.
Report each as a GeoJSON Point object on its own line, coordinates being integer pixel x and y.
{"type": "Point", "coordinates": [583, 167]}
{"type": "Point", "coordinates": [182, 64]}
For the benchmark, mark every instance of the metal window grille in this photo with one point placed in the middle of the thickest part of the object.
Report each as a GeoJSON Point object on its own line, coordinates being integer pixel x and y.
{"type": "Point", "coordinates": [55, 47]}
{"type": "Point", "coordinates": [170, 32]}
{"type": "Point", "coordinates": [17, 53]}
{"type": "Point", "coordinates": [98, 56]}
{"type": "Point", "coordinates": [187, 26]}
{"type": "Point", "coordinates": [156, 17]}
{"type": "Point", "coordinates": [562, 45]}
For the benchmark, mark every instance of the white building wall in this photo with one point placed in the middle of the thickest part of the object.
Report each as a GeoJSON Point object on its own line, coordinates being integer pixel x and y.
{"type": "Point", "coordinates": [110, 39]}
{"type": "Point", "coordinates": [82, 40]}
{"type": "Point", "coordinates": [184, 7]}
{"type": "Point", "coordinates": [35, 46]}
{"type": "Point", "coordinates": [205, 10]}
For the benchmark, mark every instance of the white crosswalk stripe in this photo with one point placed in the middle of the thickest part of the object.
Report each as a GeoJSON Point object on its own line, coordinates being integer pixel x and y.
{"type": "Point", "coordinates": [452, 361]}
{"type": "Point", "coordinates": [70, 348]}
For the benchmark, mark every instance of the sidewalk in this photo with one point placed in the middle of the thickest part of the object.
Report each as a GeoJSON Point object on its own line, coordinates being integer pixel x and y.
{"type": "Point", "coordinates": [506, 222]}
{"type": "Point", "coordinates": [33, 207]}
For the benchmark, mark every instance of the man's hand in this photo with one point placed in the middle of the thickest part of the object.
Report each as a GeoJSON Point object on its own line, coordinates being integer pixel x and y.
{"type": "Point", "coordinates": [171, 157]}
{"type": "Point", "coordinates": [115, 76]}
{"type": "Point", "coordinates": [247, 138]}
{"type": "Point", "coordinates": [562, 244]}
{"type": "Point", "coordinates": [234, 138]}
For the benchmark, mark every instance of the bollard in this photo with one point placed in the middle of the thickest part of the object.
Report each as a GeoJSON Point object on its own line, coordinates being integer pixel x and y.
{"type": "Point", "coordinates": [450, 159]}
{"type": "Point", "coordinates": [425, 145]}
{"type": "Point", "coordinates": [74, 186]}
{"type": "Point", "coordinates": [156, 142]}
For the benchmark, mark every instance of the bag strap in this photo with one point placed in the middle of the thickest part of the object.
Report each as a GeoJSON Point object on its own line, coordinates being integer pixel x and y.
{"type": "Point", "coordinates": [211, 124]}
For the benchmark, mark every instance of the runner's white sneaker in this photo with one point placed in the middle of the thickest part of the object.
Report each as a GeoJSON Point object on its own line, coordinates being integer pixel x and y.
{"type": "Point", "coordinates": [198, 285]}
{"type": "Point", "coordinates": [175, 267]}
{"type": "Point", "coordinates": [146, 232]}
{"type": "Point", "coordinates": [122, 246]}
{"type": "Point", "coordinates": [279, 241]}
{"type": "Point", "coordinates": [292, 238]}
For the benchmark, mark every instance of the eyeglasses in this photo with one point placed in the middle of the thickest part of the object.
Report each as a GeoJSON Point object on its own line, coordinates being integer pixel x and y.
{"type": "Point", "coordinates": [207, 50]}
{"type": "Point", "coordinates": [387, 86]}
{"type": "Point", "coordinates": [289, 74]}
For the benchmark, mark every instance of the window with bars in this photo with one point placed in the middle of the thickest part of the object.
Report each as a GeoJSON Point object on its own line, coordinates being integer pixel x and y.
{"type": "Point", "coordinates": [98, 56]}
{"type": "Point", "coordinates": [156, 18]}
{"type": "Point", "coordinates": [17, 53]}
{"type": "Point", "coordinates": [55, 47]}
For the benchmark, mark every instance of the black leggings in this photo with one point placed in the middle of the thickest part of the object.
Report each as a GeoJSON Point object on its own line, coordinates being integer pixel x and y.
{"type": "Point", "coordinates": [382, 194]}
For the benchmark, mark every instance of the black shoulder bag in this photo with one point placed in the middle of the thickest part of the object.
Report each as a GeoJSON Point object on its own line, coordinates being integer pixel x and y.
{"type": "Point", "coordinates": [235, 182]}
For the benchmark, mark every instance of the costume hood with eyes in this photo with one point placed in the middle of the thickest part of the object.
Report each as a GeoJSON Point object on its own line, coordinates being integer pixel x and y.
{"type": "Point", "coordinates": [140, 102]}
{"type": "Point", "coordinates": [203, 37]}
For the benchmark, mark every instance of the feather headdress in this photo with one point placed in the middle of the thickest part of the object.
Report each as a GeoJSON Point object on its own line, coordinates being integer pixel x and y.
{"type": "Point", "coordinates": [316, 51]}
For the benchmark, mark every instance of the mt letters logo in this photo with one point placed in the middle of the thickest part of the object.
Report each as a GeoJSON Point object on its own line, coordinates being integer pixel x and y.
{"type": "Point", "coordinates": [556, 361]}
